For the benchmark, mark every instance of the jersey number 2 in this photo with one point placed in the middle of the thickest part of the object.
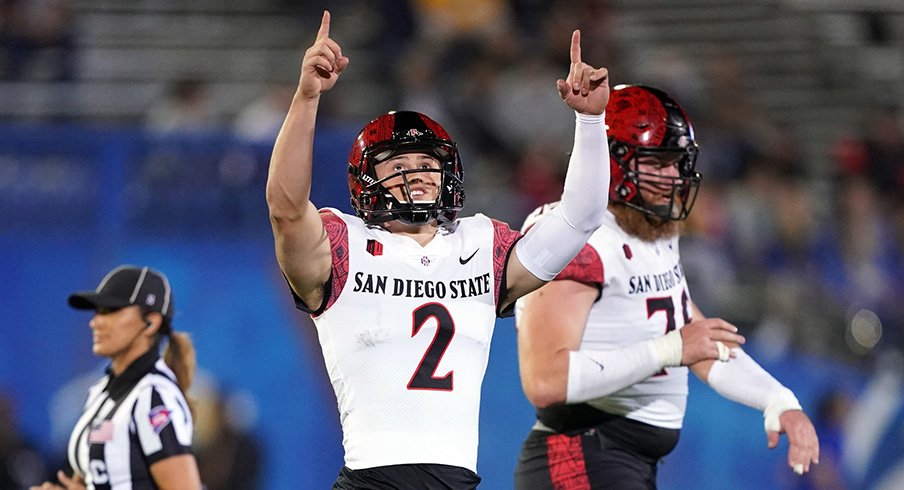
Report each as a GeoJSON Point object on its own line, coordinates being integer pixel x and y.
{"type": "Point", "coordinates": [424, 378]}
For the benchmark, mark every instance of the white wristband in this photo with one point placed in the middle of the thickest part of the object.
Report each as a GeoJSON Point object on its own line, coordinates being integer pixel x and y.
{"type": "Point", "coordinates": [669, 347]}
{"type": "Point", "coordinates": [779, 403]}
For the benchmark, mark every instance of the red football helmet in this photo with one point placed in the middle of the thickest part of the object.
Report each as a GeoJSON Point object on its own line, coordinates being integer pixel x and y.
{"type": "Point", "coordinates": [646, 122]}
{"type": "Point", "coordinates": [392, 134]}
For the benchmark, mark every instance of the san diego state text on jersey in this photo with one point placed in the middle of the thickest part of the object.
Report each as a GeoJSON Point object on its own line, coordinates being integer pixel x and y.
{"type": "Point", "coordinates": [421, 288]}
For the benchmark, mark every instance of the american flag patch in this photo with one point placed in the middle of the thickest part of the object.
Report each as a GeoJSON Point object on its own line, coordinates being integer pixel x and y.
{"type": "Point", "coordinates": [102, 432]}
{"type": "Point", "coordinates": [160, 417]}
{"type": "Point", "coordinates": [374, 248]}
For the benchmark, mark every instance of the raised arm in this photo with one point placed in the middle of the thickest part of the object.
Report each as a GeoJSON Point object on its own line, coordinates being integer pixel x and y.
{"type": "Point", "coordinates": [302, 247]}
{"type": "Point", "coordinates": [559, 235]}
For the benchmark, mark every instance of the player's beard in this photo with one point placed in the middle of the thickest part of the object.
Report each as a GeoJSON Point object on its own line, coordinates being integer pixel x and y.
{"type": "Point", "coordinates": [641, 225]}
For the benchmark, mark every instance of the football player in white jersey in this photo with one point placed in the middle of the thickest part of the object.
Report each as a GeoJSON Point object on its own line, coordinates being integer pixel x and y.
{"type": "Point", "coordinates": [405, 294]}
{"type": "Point", "coordinates": [609, 376]}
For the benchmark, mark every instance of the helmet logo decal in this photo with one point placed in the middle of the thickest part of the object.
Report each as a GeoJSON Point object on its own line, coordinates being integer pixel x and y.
{"type": "Point", "coordinates": [414, 133]}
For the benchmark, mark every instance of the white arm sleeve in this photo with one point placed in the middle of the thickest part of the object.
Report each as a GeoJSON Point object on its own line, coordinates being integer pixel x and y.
{"type": "Point", "coordinates": [742, 380]}
{"type": "Point", "coordinates": [592, 374]}
{"type": "Point", "coordinates": [559, 235]}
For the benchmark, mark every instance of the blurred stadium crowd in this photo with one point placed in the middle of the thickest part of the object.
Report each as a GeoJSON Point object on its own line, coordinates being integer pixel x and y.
{"type": "Point", "coordinates": [157, 116]}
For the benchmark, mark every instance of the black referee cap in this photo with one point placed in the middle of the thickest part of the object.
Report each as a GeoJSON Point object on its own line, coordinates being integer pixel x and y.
{"type": "Point", "coordinates": [128, 285]}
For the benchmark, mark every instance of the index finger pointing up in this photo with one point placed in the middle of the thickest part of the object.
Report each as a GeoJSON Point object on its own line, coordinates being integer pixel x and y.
{"type": "Point", "coordinates": [325, 26]}
{"type": "Point", "coordinates": [575, 45]}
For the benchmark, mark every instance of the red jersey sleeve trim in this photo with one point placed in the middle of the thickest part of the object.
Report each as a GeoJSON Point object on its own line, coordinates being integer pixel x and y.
{"type": "Point", "coordinates": [504, 239]}
{"type": "Point", "coordinates": [337, 231]}
{"type": "Point", "coordinates": [586, 267]}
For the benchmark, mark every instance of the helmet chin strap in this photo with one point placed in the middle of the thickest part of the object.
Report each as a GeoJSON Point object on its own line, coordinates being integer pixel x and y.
{"type": "Point", "coordinates": [660, 212]}
{"type": "Point", "coordinates": [411, 217]}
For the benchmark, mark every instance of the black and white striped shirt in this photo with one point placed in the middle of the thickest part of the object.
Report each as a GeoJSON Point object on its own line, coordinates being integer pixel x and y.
{"type": "Point", "coordinates": [130, 422]}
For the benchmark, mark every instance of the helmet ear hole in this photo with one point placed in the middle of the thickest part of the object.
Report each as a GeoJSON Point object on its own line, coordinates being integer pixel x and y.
{"type": "Point", "coordinates": [627, 190]}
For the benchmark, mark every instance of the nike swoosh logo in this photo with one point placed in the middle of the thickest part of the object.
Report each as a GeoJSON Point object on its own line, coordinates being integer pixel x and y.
{"type": "Point", "coordinates": [602, 368]}
{"type": "Point", "coordinates": [465, 261]}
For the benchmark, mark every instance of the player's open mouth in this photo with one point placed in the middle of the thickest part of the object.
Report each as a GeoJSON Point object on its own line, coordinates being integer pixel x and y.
{"type": "Point", "coordinates": [419, 195]}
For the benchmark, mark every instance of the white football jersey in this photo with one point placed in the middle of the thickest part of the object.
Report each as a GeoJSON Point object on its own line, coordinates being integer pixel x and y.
{"type": "Point", "coordinates": [643, 295]}
{"type": "Point", "coordinates": [405, 331]}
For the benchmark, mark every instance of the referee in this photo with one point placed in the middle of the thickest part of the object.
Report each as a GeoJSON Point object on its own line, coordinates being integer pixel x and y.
{"type": "Point", "coordinates": [136, 429]}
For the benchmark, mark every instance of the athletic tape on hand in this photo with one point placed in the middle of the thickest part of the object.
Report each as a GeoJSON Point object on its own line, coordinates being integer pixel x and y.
{"type": "Point", "coordinates": [780, 402]}
{"type": "Point", "coordinates": [724, 351]}
{"type": "Point", "coordinates": [799, 469]}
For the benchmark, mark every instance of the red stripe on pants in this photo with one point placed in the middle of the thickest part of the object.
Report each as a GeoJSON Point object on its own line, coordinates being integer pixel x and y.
{"type": "Point", "coordinates": [565, 458]}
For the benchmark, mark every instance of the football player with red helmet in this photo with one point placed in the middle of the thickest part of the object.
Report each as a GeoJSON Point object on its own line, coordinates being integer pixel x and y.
{"type": "Point", "coordinates": [405, 293]}
{"type": "Point", "coordinates": [609, 377]}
